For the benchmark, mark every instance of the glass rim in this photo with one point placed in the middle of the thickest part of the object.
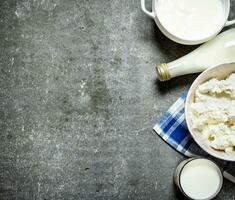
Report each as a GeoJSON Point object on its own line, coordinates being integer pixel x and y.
{"type": "Point", "coordinates": [220, 174]}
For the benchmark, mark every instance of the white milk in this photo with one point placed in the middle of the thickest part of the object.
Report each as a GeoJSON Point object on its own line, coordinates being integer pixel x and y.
{"type": "Point", "coordinates": [190, 19]}
{"type": "Point", "coordinates": [200, 179]}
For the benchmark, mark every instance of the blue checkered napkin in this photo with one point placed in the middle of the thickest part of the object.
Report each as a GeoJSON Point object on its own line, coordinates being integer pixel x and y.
{"type": "Point", "coordinates": [173, 130]}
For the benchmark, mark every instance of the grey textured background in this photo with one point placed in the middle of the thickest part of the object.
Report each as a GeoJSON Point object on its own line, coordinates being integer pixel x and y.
{"type": "Point", "coordinates": [79, 98]}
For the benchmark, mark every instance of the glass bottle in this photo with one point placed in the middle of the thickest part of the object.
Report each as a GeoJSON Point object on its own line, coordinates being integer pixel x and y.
{"type": "Point", "coordinates": [217, 51]}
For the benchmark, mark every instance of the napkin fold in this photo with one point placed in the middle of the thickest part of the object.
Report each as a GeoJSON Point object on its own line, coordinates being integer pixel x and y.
{"type": "Point", "coordinates": [173, 130]}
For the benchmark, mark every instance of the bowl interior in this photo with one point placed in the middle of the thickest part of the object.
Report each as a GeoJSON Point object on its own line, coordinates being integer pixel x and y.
{"type": "Point", "coordinates": [172, 36]}
{"type": "Point", "coordinates": [220, 72]}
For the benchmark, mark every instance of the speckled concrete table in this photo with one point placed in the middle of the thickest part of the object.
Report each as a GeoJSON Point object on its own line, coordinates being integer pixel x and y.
{"type": "Point", "coordinates": [79, 98]}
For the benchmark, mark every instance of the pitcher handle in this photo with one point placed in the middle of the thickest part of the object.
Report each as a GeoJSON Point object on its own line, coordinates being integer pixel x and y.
{"type": "Point", "coordinates": [150, 14]}
{"type": "Point", "coordinates": [228, 23]}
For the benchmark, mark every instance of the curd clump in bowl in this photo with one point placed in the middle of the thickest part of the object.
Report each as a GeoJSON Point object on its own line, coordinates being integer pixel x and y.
{"type": "Point", "coordinates": [213, 113]}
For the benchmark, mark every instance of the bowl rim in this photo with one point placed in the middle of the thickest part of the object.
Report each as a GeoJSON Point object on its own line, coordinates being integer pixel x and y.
{"type": "Point", "coordinates": [187, 117]}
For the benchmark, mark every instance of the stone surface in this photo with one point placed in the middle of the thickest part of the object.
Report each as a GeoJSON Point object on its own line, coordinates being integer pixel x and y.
{"type": "Point", "coordinates": [79, 98]}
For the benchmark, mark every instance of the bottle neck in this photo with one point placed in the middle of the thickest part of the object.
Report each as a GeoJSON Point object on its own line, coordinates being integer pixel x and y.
{"type": "Point", "coordinates": [185, 65]}
{"type": "Point", "coordinates": [182, 66]}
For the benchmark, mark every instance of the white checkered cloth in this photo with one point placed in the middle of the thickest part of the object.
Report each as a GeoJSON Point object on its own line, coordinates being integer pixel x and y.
{"type": "Point", "coordinates": [173, 130]}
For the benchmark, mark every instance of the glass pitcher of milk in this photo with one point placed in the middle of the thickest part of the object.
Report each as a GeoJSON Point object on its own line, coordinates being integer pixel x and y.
{"type": "Point", "coordinates": [217, 51]}
{"type": "Point", "coordinates": [190, 21]}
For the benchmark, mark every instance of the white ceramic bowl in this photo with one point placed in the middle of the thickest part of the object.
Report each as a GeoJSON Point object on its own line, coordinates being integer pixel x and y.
{"type": "Point", "coordinates": [153, 15]}
{"type": "Point", "coordinates": [220, 72]}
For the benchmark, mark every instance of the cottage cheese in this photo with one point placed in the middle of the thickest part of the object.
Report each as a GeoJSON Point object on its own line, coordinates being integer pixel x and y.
{"type": "Point", "coordinates": [213, 113]}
